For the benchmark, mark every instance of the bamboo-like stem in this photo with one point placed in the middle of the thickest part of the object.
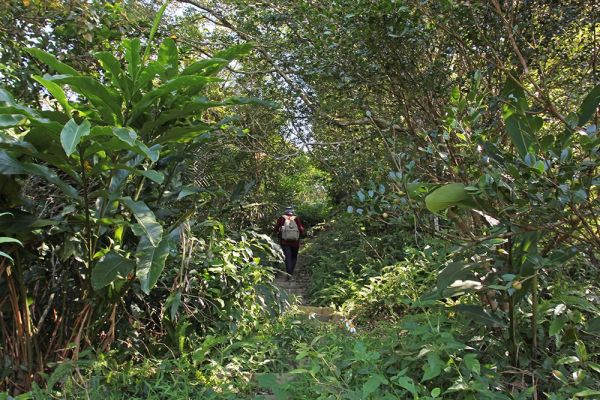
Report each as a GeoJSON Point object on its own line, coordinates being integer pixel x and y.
{"type": "Point", "coordinates": [88, 223]}
{"type": "Point", "coordinates": [512, 311]}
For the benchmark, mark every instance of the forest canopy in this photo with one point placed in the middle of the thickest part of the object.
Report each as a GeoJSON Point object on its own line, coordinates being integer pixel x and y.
{"type": "Point", "coordinates": [442, 156]}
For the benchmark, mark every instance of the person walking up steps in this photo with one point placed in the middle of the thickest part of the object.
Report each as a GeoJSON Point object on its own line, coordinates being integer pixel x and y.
{"type": "Point", "coordinates": [289, 228]}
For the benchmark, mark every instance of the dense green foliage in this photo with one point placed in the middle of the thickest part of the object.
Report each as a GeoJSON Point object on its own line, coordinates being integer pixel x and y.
{"type": "Point", "coordinates": [442, 154]}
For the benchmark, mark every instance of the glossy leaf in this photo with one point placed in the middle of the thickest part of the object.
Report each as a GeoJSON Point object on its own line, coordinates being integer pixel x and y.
{"type": "Point", "coordinates": [520, 137]}
{"type": "Point", "coordinates": [106, 101]}
{"type": "Point", "coordinates": [168, 58]}
{"type": "Point", "coordinates": [52, 62]}
{"type": "Point", "coordinates": [129, 137]}
{"type": "Point", "coordinates": [178, 84]}
{"type": "Point", "coordinates": [150, 262]}
{"type": "Point", "coordinates": [145, 217]}
{"type": "Point", "coordinates": [72, 134]}
{"type": "Point", "coordinates": [132, 56]}
{"type": "Point", "coordinates": [56, 91]}
{"type": "Point", "coordinates": [446, 196]}
{"type": "Point", "coordinates": [109, 268]}
{"type": "Point", "coordinates": [10, 120]}
{"type": "Point", "coordinates": [111, 65]}
{"type": "Point", "coordinates": [589, 106]}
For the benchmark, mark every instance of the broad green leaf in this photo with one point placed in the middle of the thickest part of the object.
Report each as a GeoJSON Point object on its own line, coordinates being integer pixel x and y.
{"type": "Point", "coordinates": [10, 120]}
{"type": "Point", "coordinates": [589, 106]}
{"type": "Point", "coordinates": [9, 240]}
{"type": "Point", "coordinates": [184, 134]}
{"type": "Point", "coordinates": [234, 52]}
{"type": "Point", "coordinates": [72, 133]}
{"type": "Point", "coordinates": [6, 97]}
{"type": "Point", "coordinates": [372, 384]}
{"type": "Point", "coordinates": [109, 268]}
{"type": "Point", "coordinates": [154, 28]}
{"type": "Point", "coordinates": [218, 61]}
{"type": "Point", "coordinates": [416, 189]}
{"type": "Point", "coordinates": [188, 191]}
{"type": "Point", "coordinates": [433, 367]}
{"type": "Point", "coordinates": [477, 313]}
{"type": "Point", "coordinates": [178, 84]}
{"type": "Point", "coordinates": [196, 106]}
{"type": "Point", "coordinates": [132, 56]}
{"type": "Point", "coordinates": [147, 74]}
{"type": "Point", "coordinates": [514, 95]}
{"type": "Point", "coordinates": [111, 65]}
{"type": "Point", "coordinates": [519, 134]}
{"type": "Point", "coordinates": [56, 91]}
{"type": "Point", "coordinates": [472, 363]}
{"type": "Point", "coordinates": [557, 325]}
{"type": "Point", "coordinates": [453, 272]}
{"type": "Point", "coordinates": [146, 219]}
{"type": "Point", "coordinates": [106, 101]}
{"type": "Point", "coordinates": [407, 383]}
{"type": "Point", "coordinates": [150, 262]}
{"type": "Point", "coordinates": [52, 62]}
{"type": "Point", "coordinates": [168, 58]}
{"type": "Point", "coordinates": [446, 196]}
{"type": "Point", "coordinates": [154, 176]}
{"type": "Point", "coordinates": [594, 325]}
{"type": "Point", "coordinates": [11, 166]}
{"type": "Point", "coordinates": [129, 137]}
{"type": "Point", "coordinates": [200, 67]}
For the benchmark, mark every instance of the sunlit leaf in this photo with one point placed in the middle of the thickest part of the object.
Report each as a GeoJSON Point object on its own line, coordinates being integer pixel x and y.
{"type": "Point", "coordinates": [72, 134]}
{"type": "Point", "coordinates": [146, 219]}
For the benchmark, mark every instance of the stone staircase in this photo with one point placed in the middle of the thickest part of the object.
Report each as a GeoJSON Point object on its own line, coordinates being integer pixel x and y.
{"type": "Point", "coordinates": [296, 292]}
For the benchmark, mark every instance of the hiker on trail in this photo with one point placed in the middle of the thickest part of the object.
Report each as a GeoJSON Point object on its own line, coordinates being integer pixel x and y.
{"type": "Point", "coordinates": [289, 228]}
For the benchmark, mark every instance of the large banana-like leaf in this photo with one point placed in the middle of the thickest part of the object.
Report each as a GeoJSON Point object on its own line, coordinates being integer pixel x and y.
{"type": "Point", "coordinates": [176, 85]}
{"type": "Point", "coordinates": [168, 58]}
{"type": "Point", "coordinates": [52, 62]}
{"type": "Point", "coordinates": [11, 166]}
{"type": "Point", "coordinates": [109, 268]}
{"type": "Point", "coordinates": [150, 262]}
{"type": "Point", "coordinates": [446, 196]}
{"type": "Point", "coordinates": [132, 56]}
{"type": "Point", "coordinates": [118, 77]}
{"type": "Point", "coordinates": [56, 91]}
{"type": "Point", "coordinates": [107, 101]}
{"type": "Point", "coordinates": [145, 217]}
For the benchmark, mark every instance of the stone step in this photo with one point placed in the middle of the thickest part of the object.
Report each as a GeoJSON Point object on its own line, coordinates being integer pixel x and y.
{"type": "Point", "coordinates": [320, 313]}
{"type": "Point", "coordinates": [289, 285]}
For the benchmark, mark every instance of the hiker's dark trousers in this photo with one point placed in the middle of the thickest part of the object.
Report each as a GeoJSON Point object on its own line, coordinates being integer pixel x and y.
{"type": "Point", "coordinates": [291, 256]}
